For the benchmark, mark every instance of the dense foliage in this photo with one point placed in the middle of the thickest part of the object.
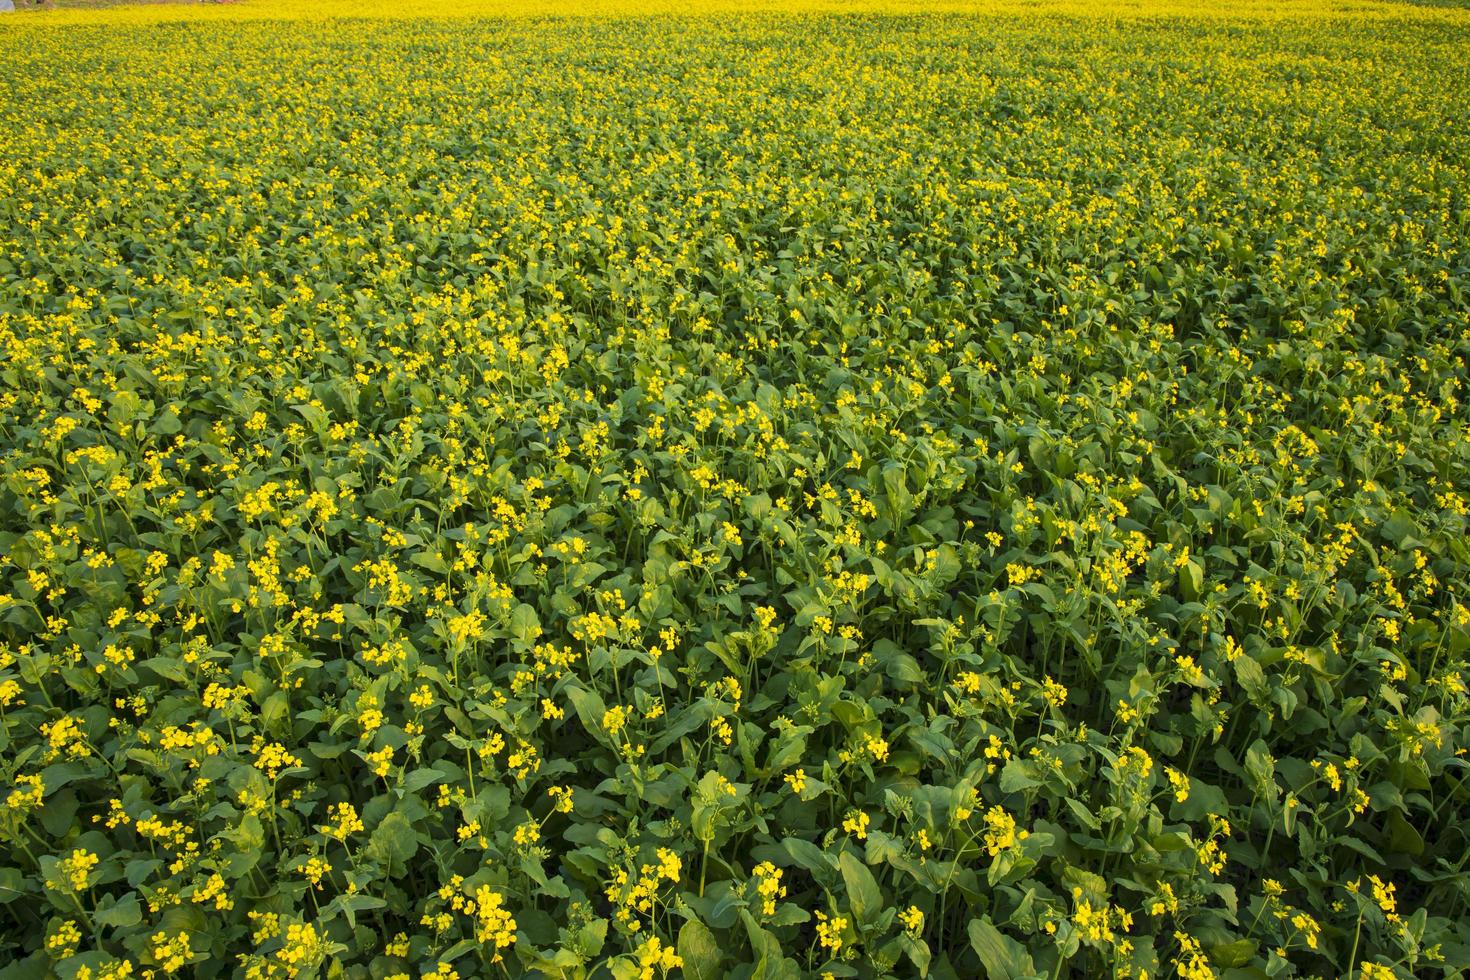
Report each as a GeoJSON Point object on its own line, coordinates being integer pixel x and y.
{"type": "Point", "coordinates": [759, 497]}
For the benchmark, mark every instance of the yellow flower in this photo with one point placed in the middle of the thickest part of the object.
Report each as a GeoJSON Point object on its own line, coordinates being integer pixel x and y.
{"type": "Point", "coordinates": [876, 747]}
{"type": "Point", "coordinates": [1000, 831]}
{"type": "Point", "coordinates": [1383, 894]}
{"type": "Point", "coordinates": [301, 949]}
{"type": "Point", "coordinates": [830, 931]}
{"type": "Point", "coordinates": [170, 952]}
{"type": "Point", "coordinates": [1210, 856]}
{"type": "Point", "coordinates": [768, 886]}
{"type": "Point", "coordinates": [1136, 758]}
{"type": "Point", "coordinates": [214, 892]}
{"type": "Point", "coordinates": [64, 737]}
{"type": "Point", "coordinates": [493, 923]}
{"type": "Point", "coordinates": [344, 821]}
{"type": "Point", "coordinates": [380, 761]}
{"type": "Point", "coordinates": [63, 939]}
{"type": "Point", "coordinates": [669, 865]}
{"type": "Point", "coordinates": [653, 955]}
{"type": "Point", "coordinates": [968, 682]}
{"type": "Point", "coordinates": [561, 797]}
{"type": "Point", "coordinates": [314, 870]}
{"type": "Point", "coordinates": [1191, 963]}
{"type": "Point", "coordinates": [1308, 927]}
{"type": "Point", "coordinates": [27, 794]}
{"type": "Point", "coordinates": [1166, 902]}
{"type": "Point", "coordinates": [272, 757]}
{"type": "Point", "coordinates": [797, 781]}
{"type": "Point", "coordinates": [75, 871]}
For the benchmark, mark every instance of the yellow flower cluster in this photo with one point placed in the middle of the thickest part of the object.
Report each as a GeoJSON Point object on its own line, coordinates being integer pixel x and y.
{"type": "Point", "coordinates": [302, 949]}
{"type": "Point", "coordinates": [75, 870]}
{"type": "Point", "coordinates": [1000, 831]}
{"type": "Point", "coordinates": [27, 794]}
{"type": "Point", "coordinates": [62, 940]}
{"type": "Point", "coordinates": [344, 821]}
{"type": "Point", "coordinates": [768, 887]}
{"type": "Point", "coordinates": [654, 954]}
{"type": "Point", "coordinates": [633, 896]}
{"type": "Point", "coordinates": [493, 923]}
{"type": "Point", "coordinates": [170, 951]}
{"type": "Point", "coordinates": [831, 932]}
{"type": "Point", "coordinates": [1100, 924]}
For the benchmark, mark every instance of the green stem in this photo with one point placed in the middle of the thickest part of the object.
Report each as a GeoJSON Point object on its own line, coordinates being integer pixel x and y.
{"type": "Point", "coordinates": [1353, 956]}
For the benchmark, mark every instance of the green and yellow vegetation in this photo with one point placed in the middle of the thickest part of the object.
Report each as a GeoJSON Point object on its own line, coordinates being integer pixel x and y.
{"type": "Point", "coordinates": [717, 489]}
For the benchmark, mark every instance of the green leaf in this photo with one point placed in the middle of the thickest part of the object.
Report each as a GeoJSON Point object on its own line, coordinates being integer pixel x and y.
{"type": "Point", "coordinates": [1232, 954]}
{"type": "Point", "coordinates": [918, 952]}
{"type": "Point", "coordinates": [31, 968]}
{"type": "Point", "coordinates": [525, 624]}
{"type": "Point", "coordinates": [1252, 678]}
{"type": "Point", "coordinates": [120, 914]}
{"type": "Point", "coordinates": [1002, 957]}
{"type": "Point", "coordinates": [589, 708]}
{"type": "Point", "coordinates": [789, 914]}
{"type": "Point", "coordinates": [808, 855]}
{"type": "Point", "coordinates": [393, 842]}
{"type": "Point", "coordinates": [770, 964]}
{"type": "Point", "coordinates": [419, 778]}
{"type": "Point", "coordinates": [350, 905]}
{"type": "Point", "coordinates": [904, 669]}
{"type": "Point", "coordinates": [1402, 837]}
{"type": "Point", "coordinates": [898, 498]}
{"type": "Point", "coordinates": [863, 894]}
{"type": "Point", "coordinates": [1261, 768]}
{"type": "Point", "coordinates": [1191, 577]}
{"type": "Point", "coordinates": [12, 885]}
{"type": "Point", "coordinates": [1017, 777]}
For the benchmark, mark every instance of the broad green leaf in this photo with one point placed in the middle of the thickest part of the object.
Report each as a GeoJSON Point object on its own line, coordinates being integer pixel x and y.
{"type": "Point", "coordinates": [863, 893]}
{"type": "Point", "coordinates": [1002, 957]}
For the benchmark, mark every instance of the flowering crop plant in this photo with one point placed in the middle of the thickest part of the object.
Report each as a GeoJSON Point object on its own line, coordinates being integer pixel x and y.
{"type": "Point", "coordinates": [900, 488]}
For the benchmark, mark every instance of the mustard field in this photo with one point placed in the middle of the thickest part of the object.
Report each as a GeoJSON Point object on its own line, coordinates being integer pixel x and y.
{"type": "Point", "coordinates": [714, 489]}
